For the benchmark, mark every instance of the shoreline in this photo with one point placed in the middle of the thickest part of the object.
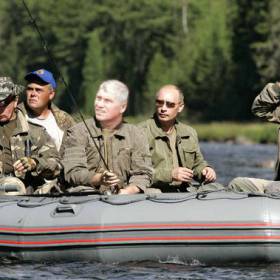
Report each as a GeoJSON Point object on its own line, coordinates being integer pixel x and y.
{"type": "Point", "coordinates": [229, 131]}
{"type": "Point", "coordinates": [240, 133]}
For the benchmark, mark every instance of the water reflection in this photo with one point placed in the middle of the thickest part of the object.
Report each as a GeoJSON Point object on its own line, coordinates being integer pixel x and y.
{"type": "Point", "coordinates": [232, 160]}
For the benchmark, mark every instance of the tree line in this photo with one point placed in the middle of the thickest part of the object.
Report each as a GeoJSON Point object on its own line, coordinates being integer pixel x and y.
{"type": "Point", "coordinates": [219, 52]}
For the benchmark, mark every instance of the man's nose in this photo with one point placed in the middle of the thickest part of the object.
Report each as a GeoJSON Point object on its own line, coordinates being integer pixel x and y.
{"type": "Point", "coordinates": [33, 92]}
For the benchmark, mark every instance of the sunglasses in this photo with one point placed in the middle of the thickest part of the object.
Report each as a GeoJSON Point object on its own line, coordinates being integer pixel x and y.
{"type": "Point", "coordinates": [168, 104]}
{"type": "Point", "coordinates": [7, 101]}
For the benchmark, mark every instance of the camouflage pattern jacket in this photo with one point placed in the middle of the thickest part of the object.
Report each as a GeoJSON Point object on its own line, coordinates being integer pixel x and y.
{"type": "Point", "coordinates": [130, 156]}
{"type": "Point", "coordinates": [266, 106]}
{"type": "Point", "coordinates": [188, 151]}
{"type": "Point", "coordinates": [63, 119]}
{"type": "Point", "coordinates": [42, 150]}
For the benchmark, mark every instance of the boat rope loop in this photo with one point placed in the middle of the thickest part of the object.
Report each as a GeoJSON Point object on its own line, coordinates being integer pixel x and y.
{"type": "Point", "coordinates": [122, 200]}
{"type": "Point", "coordinates": [275, 195]}
{"type": "Point", "coordinates": [172, 198]}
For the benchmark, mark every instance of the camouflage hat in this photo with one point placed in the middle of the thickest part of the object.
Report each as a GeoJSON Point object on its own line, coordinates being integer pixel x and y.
{"type": "Point", "coordinates": [7, 88]}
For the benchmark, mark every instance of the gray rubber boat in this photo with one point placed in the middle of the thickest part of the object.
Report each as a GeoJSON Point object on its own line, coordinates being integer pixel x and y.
{"type": "Point", "coordinates": [210, 228]}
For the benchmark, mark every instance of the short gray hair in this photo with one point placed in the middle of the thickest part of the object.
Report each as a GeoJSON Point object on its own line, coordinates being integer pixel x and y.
{"type": "Point", "coordinates": [115, 87]}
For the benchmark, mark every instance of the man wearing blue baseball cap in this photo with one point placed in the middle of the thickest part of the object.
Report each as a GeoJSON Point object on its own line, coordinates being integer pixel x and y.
{"type": "Point", "coordinates": [39, 108]}
{"type": "Point", "coordinates": [28, 156]}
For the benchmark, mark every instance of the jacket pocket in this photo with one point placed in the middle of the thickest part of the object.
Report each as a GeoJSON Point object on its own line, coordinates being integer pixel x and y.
{"type": "Point", "coordinates": [189, 155]}
{"type": "Point", "coordinates": [124, 154]}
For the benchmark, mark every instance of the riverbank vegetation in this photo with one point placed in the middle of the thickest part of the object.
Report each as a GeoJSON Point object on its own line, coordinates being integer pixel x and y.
{"type": "Point", "coordinates": [231, 132]}
{"type": "Point", "coordinates": [243, 133]}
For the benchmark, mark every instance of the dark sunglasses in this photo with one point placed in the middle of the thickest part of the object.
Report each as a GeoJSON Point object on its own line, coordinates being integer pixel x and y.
{"type": "Point", "coordinates": [7, 101]}
{"type": "Point", "coordinates": [160, 103]}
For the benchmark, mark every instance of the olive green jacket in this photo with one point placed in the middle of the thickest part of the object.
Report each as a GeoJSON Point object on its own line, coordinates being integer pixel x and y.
{"type": "Point", "coordinates": [188, 150]}
{"type": "Point", "coordinates": [130, 155]}
{"type": "Point", "coordinates": [266, 106]}
{"type": "Point", "coordinates": [42, 150]}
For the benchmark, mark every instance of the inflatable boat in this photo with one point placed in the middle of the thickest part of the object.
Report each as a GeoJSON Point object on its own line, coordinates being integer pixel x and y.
{"type": "Point", "coordinates": [215, 227]}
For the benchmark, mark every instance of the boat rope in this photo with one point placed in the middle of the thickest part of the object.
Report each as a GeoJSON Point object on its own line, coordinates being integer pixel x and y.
{"type": "Point", "coordinates": [172, 199]}
{"type": "Point", "coordinates": [118, 200]}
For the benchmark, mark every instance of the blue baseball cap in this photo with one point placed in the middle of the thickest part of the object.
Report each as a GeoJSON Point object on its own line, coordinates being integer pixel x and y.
{"type": "Point", "coordinates": [43, 74]}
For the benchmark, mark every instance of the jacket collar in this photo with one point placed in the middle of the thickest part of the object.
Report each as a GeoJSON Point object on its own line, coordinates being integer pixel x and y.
{"type": "Point", "coordinates": [160, 133]}
{"type": "Point", "coordinates": [119, 131]}
{"type": "Point", "coordinates": [22, 124]}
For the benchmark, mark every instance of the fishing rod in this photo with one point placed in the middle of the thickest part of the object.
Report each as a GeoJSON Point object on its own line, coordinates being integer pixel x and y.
{"type": "Point", "coordinates": [54, 64]}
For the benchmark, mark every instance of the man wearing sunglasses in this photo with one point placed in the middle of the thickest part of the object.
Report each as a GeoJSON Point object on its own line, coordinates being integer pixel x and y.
{"type": "Point", "coordinates": [27, 154]}
{"type": "Point", "coordinates": [176, 155]}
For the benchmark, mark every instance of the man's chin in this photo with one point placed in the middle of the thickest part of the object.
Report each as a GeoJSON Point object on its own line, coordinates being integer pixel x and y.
{"type": "Point", "coordinates": [100, 118]}
{"type": "Point", "coordinates": [163, 118]}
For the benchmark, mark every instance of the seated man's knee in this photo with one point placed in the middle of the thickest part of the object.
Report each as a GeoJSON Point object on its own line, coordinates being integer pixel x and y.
{"type": "Point", "coordinates": [248, 185]}
{"type": "Point", "coordinates": [236, 184]}
{"type": "Point", "coordinates": [273, 187]}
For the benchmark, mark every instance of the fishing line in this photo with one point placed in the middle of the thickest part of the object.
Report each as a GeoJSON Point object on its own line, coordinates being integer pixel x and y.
{"type": "Point", "coordinates": [54, 64]}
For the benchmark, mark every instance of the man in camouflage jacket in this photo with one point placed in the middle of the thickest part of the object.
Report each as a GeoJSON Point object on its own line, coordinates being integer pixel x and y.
{"type": "Point", "coordinates": [27, 153]}
{"type": "Point", "coordinates": [126, 165]}
{"type": "Point", "coordinates": [39, 108]}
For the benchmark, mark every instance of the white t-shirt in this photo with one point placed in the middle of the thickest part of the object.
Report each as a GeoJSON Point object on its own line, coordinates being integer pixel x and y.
{"type": "Point", "coordinates": [51, 126]}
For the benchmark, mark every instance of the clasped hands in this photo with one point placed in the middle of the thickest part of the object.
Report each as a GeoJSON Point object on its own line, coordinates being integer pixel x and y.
{"type": "Point", "coordinates": [24, 164]}
{"type": "Point", "coordinates": [111, 180]}
{"type": "Point", "coordinates": [183, 174]}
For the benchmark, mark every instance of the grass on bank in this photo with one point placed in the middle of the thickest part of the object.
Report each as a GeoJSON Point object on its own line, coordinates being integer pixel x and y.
{"type": "Point", "coordinates": [251, 132]}
{"type": "Point", "coordinates": [238, 132]}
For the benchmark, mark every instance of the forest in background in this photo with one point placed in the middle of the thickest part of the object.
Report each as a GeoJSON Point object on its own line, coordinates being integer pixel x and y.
{"type": "Point", "coordinates": [221, 53]}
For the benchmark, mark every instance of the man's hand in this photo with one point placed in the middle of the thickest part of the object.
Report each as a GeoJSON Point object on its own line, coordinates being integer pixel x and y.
{"type": "Point", "coordinates": [129, 190]}
{"type": "Point", "coordinates": [182, 174]}
{"type": "Point", "coordinates": [209, 174]}
{"type": "Point", "coordinates": [24, 164]}
{"type": "Point", "coordinates": [109, 179]}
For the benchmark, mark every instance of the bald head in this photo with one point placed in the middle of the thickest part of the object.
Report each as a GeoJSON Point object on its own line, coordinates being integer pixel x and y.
{"type": "Point", "coordinates": [169, 103]}
{"type": "Point", "coordinates": [172, 90]}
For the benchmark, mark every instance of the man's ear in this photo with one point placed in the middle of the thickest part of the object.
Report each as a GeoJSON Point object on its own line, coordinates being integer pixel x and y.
{"type": "Point", "coordinates": [52, 95]}
{"type": "Point", "coordinates": [181, 107]}
{"type": "Point", "coordinates": [123, 107]}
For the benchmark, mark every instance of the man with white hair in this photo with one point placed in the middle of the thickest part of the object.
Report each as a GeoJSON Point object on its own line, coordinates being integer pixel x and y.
{"type": "Point", "coordinates": [125, 166]}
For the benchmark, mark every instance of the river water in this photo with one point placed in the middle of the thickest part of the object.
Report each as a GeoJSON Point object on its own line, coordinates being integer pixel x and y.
{"type": "Point", "coordinates": [229, 160]}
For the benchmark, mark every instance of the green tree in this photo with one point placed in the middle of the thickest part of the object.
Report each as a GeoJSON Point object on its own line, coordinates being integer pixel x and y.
{"type": "Point", "coordinates": [267, 48]}
{"type": "Point", "coordinates": [93, 70]}
{"type": "Point", "coordinates": [246, 79]}
{"type": "Point", "coordinates": [159, 73]}
{"type": "Point", "coordinates": [203, 58]}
